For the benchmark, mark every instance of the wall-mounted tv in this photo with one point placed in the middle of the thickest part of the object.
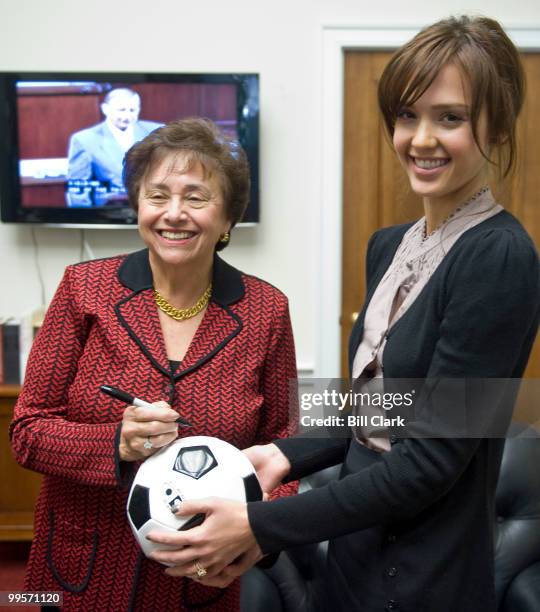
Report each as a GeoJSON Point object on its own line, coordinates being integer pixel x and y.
{"type": "Point", "coordinates": [64, 136]}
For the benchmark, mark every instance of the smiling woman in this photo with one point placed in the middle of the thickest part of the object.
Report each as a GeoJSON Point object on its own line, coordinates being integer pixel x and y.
{"type": "Point", "coordinates": [189, 185]}
{"type": "Point", "coordinates": [455, 295]}
{"type": "Point", "coordinates": [173, 324]}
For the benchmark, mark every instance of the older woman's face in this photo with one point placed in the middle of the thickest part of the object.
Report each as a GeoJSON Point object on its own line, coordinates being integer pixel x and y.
{"type": "Point", "coordinates": [181, 214]}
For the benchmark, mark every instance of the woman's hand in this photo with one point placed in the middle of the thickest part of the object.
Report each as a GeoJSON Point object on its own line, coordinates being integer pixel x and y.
{"type": "Point", "coordinates": [142, 425]}
{"type": "Point", "coordinates": [270, 464]}
{"type": "Point", "coordinates": [234, 570]}
{"type": "Point", "coordinates": [223, 537]}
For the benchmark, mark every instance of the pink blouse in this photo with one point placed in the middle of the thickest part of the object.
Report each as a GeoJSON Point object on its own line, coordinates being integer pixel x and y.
{"type": "Point", "coordinates": [415, 261]}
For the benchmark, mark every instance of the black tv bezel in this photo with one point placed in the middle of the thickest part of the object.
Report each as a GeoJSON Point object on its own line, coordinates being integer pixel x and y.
{"type": "Point", "coordinates": [11, 209]}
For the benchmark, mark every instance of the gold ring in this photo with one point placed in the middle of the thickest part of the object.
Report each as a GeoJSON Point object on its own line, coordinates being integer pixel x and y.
{"type": "Point", "coordinates": [201, 571]}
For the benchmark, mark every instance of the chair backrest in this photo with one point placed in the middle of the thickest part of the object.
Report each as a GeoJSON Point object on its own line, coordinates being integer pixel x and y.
{"type": "Point", "coordinates": [294, 578]}
{"type": "Point", "coordinates": [517, 503]}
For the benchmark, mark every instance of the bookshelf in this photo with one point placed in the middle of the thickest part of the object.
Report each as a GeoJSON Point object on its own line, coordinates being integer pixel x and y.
{"type": "Point", "coordinates": [18, 487]}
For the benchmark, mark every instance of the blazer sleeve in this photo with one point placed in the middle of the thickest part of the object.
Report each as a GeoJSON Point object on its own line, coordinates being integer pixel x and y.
{"type": "Point", "coordinates": [488, 323]}
{"type": "Point", "coordinates": [279, 414]}
{"type": "Point", "coordinates": [42, 437]}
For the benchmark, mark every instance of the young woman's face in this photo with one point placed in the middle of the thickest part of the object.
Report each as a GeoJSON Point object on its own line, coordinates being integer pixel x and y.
{"type": "Point", "coordinates": [434, 141]}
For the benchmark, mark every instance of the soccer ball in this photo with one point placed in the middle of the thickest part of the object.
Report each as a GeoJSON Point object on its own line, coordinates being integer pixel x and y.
{"type": "Point", "coordinates": [189, 468]}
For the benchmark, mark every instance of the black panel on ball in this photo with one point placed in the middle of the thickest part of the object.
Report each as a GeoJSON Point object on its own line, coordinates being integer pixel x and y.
{"type": "Point", "coordinates": [139, 506]}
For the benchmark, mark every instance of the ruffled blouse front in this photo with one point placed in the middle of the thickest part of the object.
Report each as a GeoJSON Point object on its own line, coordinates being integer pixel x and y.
{"type": "Point", "coordinates": [414, 262]}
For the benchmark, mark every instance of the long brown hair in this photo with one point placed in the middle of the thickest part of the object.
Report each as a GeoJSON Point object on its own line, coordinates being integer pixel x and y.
{"type": "Point", "coordinates": [489, 63]}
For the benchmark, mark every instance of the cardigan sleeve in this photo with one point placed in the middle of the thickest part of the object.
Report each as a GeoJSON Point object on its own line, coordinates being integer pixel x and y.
{"type": "Point", "coordinates": [42, 437]}
{"type": "Point", "coordinates": [489, 322]}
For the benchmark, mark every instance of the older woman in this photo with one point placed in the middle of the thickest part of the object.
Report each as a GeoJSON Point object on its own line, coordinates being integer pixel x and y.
{"type": "Point", "coordinates": [173, 322]}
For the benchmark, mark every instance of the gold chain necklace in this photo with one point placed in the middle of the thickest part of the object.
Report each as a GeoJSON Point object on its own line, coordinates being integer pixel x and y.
{"type": "Point", "coordinates": [181, 314]}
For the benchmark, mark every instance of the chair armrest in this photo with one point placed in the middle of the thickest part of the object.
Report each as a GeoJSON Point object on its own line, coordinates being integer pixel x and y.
{"type": "Point", "coordinates": [523, 594]}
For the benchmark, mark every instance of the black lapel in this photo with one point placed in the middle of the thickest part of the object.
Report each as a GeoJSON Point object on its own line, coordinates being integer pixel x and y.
{"type": "Point", "coordinates": [137, 313]}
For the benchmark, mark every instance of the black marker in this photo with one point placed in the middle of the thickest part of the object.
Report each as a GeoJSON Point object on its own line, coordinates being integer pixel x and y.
{"type": "Point", "coordinates": [135, 401]}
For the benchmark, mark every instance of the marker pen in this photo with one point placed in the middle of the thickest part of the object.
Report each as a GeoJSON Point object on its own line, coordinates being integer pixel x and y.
{"type": "Point", "coordinates": [134, 401]}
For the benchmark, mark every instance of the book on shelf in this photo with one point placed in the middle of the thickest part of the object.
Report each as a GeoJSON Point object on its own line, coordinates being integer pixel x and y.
{"type": "Point", "coordinates": [11, 352]}
{"type": "Point", "coordinates": [16, 337]}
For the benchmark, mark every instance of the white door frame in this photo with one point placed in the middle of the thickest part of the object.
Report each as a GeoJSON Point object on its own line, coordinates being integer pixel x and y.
{"type": "Point", "coordinates": [337, 40]}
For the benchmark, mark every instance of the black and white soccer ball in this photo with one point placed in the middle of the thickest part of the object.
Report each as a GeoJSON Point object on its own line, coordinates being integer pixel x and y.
{"type": "Point", "coordinates": [188, 469]}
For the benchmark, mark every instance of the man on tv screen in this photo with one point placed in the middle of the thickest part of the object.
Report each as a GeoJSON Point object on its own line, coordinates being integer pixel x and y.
{"type": "Point", "coordinates": [95, 154]}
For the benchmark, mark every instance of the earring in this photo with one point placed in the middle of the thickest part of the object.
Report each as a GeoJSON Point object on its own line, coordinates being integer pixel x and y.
{"type": "Point", "coordinates": [225, 238]}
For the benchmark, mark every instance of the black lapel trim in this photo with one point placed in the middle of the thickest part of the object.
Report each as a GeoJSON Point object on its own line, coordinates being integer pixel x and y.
{"type": "Point", "coordinates": [228, 286]}
{"type": "Point", "coordinates": [135, 272]}
{"type": "Point", "coordinates": [72, 588]}
{"type": "Point", "coordinates": [180, 373]}
{"type": "Point", "coordinates": [134, 336]}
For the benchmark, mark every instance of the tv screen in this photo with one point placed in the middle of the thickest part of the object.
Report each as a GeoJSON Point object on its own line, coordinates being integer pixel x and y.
{"type": "Point", "coordinates": [65, 136]}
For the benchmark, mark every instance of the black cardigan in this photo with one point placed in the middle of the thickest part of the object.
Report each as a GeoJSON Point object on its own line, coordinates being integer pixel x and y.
{"type": "Point", "coordinates": [412, 528]}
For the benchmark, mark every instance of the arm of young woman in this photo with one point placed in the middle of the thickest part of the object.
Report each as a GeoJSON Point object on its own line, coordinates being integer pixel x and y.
{"type": "Point", "coordinates": [489, 321]}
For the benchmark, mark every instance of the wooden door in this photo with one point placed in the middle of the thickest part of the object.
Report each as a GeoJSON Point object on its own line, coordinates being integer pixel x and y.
{"type": "Point", "coordinates": [376, 192]}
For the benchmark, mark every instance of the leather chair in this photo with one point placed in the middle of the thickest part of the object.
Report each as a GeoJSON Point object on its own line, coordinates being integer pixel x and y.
{"type": "Point", "coordinates": [517, 535]}
{"type": "Point", "coordinates": [294, 583]}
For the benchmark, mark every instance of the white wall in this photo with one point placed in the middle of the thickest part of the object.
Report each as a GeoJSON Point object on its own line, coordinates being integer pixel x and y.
{"type": "Point", "coordinates": [281, 40]}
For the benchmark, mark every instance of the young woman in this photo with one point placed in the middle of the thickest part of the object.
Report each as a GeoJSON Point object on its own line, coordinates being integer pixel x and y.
{"type": "Point", "coordinates": [453, 296]}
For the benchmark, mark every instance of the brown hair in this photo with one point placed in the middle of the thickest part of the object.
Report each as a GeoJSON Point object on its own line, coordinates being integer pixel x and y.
{"type": "Point", "coordinates": [201, 141]}
{"type": "Point", "coordinates": [489, 62]}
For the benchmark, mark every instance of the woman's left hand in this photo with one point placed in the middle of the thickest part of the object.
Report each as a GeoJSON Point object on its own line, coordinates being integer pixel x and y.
{"type": "Point", "coordinates": [223, 537]}
{"type": "Point", "coordinates": [234, 570]}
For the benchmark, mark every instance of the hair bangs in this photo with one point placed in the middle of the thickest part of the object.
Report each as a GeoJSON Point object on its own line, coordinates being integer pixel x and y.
{"type": "Point", "coordinates": [493, 79]}
{"type": "Point", "coordinates": [409, 74]}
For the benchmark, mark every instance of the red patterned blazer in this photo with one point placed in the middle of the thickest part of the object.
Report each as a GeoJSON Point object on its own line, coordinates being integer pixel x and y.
{"type": "Point", "coordinates": [102, 327]}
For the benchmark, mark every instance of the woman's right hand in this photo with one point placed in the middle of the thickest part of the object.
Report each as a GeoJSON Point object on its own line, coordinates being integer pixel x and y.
{"type": "Point", "coordinates": [142, 425]}
{"type": "Point", "coordinates": [270, 464]}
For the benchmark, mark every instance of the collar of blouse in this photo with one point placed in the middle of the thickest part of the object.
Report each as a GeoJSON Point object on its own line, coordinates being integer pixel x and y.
{"type": "Point", "coordinates": [227, 285]}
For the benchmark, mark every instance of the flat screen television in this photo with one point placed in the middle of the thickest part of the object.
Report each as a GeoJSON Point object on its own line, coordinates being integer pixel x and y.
{"type": "Point", "coordinates": [62, 146]}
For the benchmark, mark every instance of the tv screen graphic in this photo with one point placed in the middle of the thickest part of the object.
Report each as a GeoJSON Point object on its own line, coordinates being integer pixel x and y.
{"type": "Point", "coordinates": [62, 160]}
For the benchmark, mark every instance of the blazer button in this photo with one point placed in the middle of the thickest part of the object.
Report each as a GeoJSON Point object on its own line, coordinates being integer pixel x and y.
{"type": "Point", "coordinates": [392, 571]}
{"type": "Point", "coordinates": [392, 605]}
